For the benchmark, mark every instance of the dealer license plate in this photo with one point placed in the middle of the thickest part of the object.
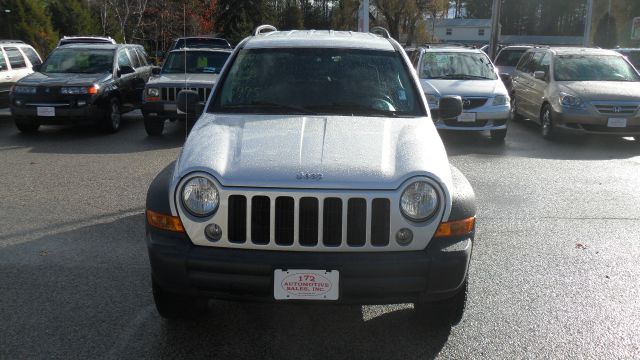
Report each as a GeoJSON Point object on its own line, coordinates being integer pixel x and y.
{"type": "Point", "coordinates": [46, 111]}
{"type": "Point", "coordinates": [617, 122]}
{"type": "Point", "coordinates": [467, 117]}
{"type": "Point", "coordinates": [305, 284]}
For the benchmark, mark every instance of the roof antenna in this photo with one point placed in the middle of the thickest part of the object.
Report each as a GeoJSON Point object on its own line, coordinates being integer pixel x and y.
{"type": "Point", "coordinates": [184, 35]}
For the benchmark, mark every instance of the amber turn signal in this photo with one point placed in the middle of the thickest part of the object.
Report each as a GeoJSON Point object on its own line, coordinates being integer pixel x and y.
{"type": "Point", "coordinates": [456, 228]}
{"type": "Point", "coordinates": [164, 222]}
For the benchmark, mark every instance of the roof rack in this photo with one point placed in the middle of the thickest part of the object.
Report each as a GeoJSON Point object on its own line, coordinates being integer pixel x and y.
{"type": "Point", "coordinates": [259, 30]}
{"type": "Point", "coordinates": [12, 42]}
{"type": "Point", "coordinates": [381, 31]}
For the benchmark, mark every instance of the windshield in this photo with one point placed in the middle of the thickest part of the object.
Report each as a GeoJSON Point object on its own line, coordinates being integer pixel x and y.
{"type": "Point", "coordinates": [593, 68]}
{"type": "Point", "coordinates": [79, 61]}
{"type": "Point", "coordinates": [456, 66]}
{"type": "Point", "coordinates": [509, 57]}
{"type": "Point", "coordinates": [319, 81]}
{"type": "Point", "coordinates": [198, 62]}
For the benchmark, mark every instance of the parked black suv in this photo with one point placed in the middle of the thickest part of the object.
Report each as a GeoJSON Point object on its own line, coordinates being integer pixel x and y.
{"type": "Point", "coordinates": [82, 83]}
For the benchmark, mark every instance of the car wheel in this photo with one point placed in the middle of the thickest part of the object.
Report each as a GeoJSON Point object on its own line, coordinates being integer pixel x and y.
{"type": "Point", "coordinates": [26, 127]}
{"type": "Point", "coordinates": [498, 135]}
{"type": "Point", "coordinates": [445, 312]}
{"type": "Point", "coordinates": [113, 116]}
{"type": "Point", "coordinates": [546, 123]}
{"type": "Point", "coordinates": [154, 127]}
{"type": "Point", "coordinates": [514, 110]}
{"type": "Point", "coordinates": [174, 306]}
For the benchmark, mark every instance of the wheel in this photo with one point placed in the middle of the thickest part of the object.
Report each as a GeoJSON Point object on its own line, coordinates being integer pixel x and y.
{"type": "Point", "coordinates": [174, 306]}
{"type": "Point", "coordinates": [113, 116]}
{"type": "Point", "coordinates": [546, 123]}
{"type": "Point", "coordinates": [154, 127]}
{"type": "Point", "coordinates": [444, 312]}
{"type": "Point", "coordinates": [514, 109]}
{"type": "Point", "coordinates": [498, 135]}
{"type": "Point", "coordinates": [26, 127]}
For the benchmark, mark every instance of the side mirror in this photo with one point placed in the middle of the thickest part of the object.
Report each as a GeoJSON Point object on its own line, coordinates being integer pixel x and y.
{"type": "Point", "coordinates": [156, 70]}
{"type": "Point", "coordinates": [34, 67]}
{"type": "Point", "coordinates": [187, 102]}
{"type": "Point", "coordinates": [540, 75]}
{"type": "Point", "coordinates": [450, 107]}
{"type": "Point", "coordinates": [125, 69]}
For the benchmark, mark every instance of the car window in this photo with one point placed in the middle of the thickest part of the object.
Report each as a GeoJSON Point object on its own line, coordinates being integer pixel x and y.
{"type": "Point", "coordinates": [15, 58]}
{"type": "Point", "coordinates": [79, 61]}
{"type": "Point", "coordinates": [524, 61]}
{"type": "Point", "coordinates": [634, 58]}
{"type": "Point", "coordinates": [456, 65]}
{"type": "Point", "coordinates": [197, 62]}
{"type": "Point", "coordinates": [535, 61]}
{"type": "Point", "coordinates": [509, 57]}
{"type": "Point", "coordinates": [142, 56]}
{"type": "Point", "coordinates": [134, 58]}
{"type": "Point", "coordinates": [31, 55]}
{"type": "Point", "coordinates": [123, 59]}
{"type": "Point", "coordinates": [593, 68]}
{"type": "Point", "coordinates": [3, 62]}
{"type": "Point", "coordinates": [319, 81]}
{"type": "Point", "coordinates": [543, 65]}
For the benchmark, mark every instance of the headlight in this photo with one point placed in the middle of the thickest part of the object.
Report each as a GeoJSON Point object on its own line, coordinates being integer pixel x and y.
{"type": "Point", "coordinates": [153, 92]}
{"type": "Point", "coordinates": [419, 201]}
{"type": "Point", "coordinates": [200, 197]}
{"type": "Point", "coordinates": [500, 100]}
{"type": "Point", "coordinates": [433, 100]}
{"type": "Point", "coordinates": [569, 100]}
{"type": "Point", "coordinates": [24, 89]}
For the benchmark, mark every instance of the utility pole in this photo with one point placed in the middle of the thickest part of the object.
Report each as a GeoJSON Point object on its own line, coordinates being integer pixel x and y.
{"type": "Point", "coordinates": [363, 16]}
{"type": "Point", "coordinates": [586, 40]}
{"type": "Point", "coordinates": [495, 28]}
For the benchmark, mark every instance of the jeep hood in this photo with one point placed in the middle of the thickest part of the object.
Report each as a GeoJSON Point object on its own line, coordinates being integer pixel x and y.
{"type": "Point", "coordinates": [191, 79]}
{"type": "Point", "coordinates": [348, 152]}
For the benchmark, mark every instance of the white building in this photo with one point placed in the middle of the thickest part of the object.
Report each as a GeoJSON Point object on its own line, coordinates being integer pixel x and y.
{"type": "Point", "coordinates": [467, 31]}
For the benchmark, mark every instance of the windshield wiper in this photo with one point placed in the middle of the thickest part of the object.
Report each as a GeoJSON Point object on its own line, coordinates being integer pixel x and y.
{"type": "Point", "coordinates": [266, 104]}
{"type": "Point", "coordinates": [354, 109]}
{"type": "Point", "coordinates": [462, 77]}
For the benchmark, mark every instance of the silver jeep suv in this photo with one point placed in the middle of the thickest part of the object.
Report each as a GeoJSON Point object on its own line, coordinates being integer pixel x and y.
{"type": "Point", "coordinates": [315, 174]}
{"type": "Point", "coordinates": [579, 90]}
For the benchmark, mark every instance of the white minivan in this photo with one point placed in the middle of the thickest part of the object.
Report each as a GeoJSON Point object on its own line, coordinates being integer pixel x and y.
{"type": "Point", "coordinates": [16, 61]}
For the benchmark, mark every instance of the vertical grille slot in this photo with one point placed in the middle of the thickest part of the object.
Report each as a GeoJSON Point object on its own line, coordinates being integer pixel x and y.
{"type": "Point", "coordinates": [308, 231]}
{"type": "Point", "coordinates": [172, 94]}
{"type": "Point", "coordinates": [284, 220]}
{"type": "Point", "coordinates": [332, 222]}
{"type": "Point", "coordinates": [380, 222]}
{"type": "Point", "coordinates": [237, 219]}
{"type": "Point", "coordinates": [164, 94]}
{"type": "Point", "coordinates": [356, 222]}
{"type": "Point", "coordinates": [260, 218]}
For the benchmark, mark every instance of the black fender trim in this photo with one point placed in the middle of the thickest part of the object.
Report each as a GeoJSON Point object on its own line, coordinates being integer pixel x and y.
{"type": "Point", "coordinates": [463, 199]}
{"type": "Point", "coordinates": [158, 193]}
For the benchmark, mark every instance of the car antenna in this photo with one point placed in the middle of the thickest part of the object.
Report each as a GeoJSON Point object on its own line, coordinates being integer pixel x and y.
{"type": "Point", "coordinates": [184, 35]}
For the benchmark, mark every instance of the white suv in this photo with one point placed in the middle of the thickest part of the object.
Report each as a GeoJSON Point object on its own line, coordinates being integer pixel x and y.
{"type": "Point", "coordinates": [16, 61]}
{"type": "Point", "coordinates": [315, 174]}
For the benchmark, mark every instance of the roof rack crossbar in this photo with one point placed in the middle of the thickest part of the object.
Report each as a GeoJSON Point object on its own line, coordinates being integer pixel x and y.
{"type": "Point", "coordinates": [381, 31]}
{"type": "Point", "coordinates": [259, 30]}
{"type": "Point", "coordinates": [12, 41]}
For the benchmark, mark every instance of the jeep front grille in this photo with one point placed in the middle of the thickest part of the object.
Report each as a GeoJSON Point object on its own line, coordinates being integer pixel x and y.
{"type": "Point", "coordinates": [327, 222]}
{"type": "Point", "coordinates": [171, 93]}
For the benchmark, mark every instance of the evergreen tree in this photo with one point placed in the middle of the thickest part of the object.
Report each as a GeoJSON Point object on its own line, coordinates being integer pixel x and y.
{"type": "Point", "coordinates": [292, 18]}
{"type": "Point", "coordinates": [71, 17]}
{"type": "Point", "coordinates": [236, 19]}
{"type": "Point", "coordinates": [30, 23]}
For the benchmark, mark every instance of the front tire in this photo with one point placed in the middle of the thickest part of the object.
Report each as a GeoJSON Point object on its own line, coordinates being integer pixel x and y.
{"type": "Point", "coordinates": [498, 135]}
{"type": "Point", "coordinates": [547, 129]}
{"type": "Point", "coordinates": [154, 127]}
{"type": "Point", "coordinates": [26, 127]}
{"type": "Point", "coordinates": [444, 312]}
{"type": "Point", "coordinates": [515, 116]}
{"type": "Point", "coordinates": [174, 306]}
{"type": "Point", "coordinates": [113, 116]}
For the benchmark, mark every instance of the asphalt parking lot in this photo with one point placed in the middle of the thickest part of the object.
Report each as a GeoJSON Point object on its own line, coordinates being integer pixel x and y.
{"type": "Point", "coordinates": [554, 272]}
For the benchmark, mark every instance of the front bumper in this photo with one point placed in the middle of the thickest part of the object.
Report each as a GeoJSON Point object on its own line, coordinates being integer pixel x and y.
{"type": "Point", "coordinates": [588, 121]}
{"type": "Point", "coordinates": [162, 110]}
{"type": "Point", "coordinates": [437, 272]}
{"type": "Point", "coordinates": [487, 118]}
{"type": "Point", "coordinates": [66, 112]}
